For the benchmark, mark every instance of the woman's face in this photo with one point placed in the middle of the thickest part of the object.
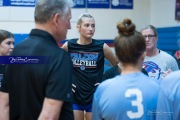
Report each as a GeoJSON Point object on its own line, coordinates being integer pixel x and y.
{"type": "Point", "coordinates": [87, 27]}
{"type": "Point", "coordinates": [6, 46]}
{"type": "Point", "coordinates": [150, 38]}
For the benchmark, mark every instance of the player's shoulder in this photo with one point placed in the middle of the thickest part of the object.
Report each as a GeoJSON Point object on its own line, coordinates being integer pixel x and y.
{"type": "Point", "coordinates": [74, 40]}
{"type": "Point", "coordinates": [151, 81]}
{"type": "Point", "coordinates": [165, 54]}
{"type": "Point", "coordinates": [106, 84]}
{"type": "Point", "coordinates": [171, 84]}
{"type": "Point", "coordinates": [172, 79]}
{"type": "Point", "coordinates": [95, 41]}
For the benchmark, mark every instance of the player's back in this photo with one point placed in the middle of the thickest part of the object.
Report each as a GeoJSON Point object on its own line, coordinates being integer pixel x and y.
{"type": "Point", "coordinates": [125, 97]}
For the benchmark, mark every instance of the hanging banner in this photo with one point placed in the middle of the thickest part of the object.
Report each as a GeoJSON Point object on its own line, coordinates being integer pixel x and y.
{"type": "Point", "coordinates": [98, 3]}
{"type": "Point", "coordinates": [25, 3]}
{"type": "Point", "coordinates": [177, 10]}
{"type": "Point", "coordinates": [4, 2]}
{"type": "Point", "coordinates": [114, 4]}
{"type": "Point", "coordinates": [79, 3]}
{"type": "Point", "coordinates": [122, 4]}
{"type": "Point", "coordinates": [1, 2]}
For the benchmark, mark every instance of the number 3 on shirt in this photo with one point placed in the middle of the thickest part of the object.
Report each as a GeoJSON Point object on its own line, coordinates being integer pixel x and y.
{"type": "Point", "coordinates": [137, 103]}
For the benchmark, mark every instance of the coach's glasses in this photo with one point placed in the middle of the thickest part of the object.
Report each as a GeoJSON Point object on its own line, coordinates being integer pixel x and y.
{"type": "Point", "coordinates": [149, 36]}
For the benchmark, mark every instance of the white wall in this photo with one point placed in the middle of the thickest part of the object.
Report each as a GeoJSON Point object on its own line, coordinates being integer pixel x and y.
{"type": "Point", "coordinates": [157, 12]}
{"type": "Point", "coordinates": [106, 19]}
{"type": "Point", "coordinates": [17, 19]}
{"type": "Point", "coordinates": [162, 13]}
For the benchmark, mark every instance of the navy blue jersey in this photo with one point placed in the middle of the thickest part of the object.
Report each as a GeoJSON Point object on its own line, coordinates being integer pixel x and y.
{"type": "Point", "coordinates": [126, 97]}
{"type": "Point", "coordinates": [88, 68]}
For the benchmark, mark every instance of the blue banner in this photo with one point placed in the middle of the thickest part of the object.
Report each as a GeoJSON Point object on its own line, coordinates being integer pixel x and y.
{"type": "Point", "coordinates": [28, 3]}
{"type": "Point", "coordinates": [98, 4]}
{"type": "Point", "coordinates": [25, 3]}
{"type": "Point", "coordinates": [79, 3]}
{"type": "Point", "coordinates": [122, 4]}
{"type": "Point", "coordinates": [114, 4]}
{"type": "Point", "coordinates": [4, 2]}
{"type": "Point", "coordinates": [24, 59]}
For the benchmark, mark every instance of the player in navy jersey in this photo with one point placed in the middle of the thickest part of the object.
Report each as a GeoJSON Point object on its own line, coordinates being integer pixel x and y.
{"type": "Point", "coordinates": [168, 107]}
{"type": "Point", "coordinates": [88, 56]}
{"type": "Point", "coordinates": [131, 95]}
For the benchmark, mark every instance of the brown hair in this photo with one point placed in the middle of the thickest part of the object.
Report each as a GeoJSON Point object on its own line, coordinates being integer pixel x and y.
{"type": "Point", "coordinates": [5, 34]}
{"type": "Point", "coordinates": [130, 44]}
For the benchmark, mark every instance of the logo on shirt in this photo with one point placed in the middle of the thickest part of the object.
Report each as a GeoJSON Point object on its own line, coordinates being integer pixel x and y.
{"type": "Point", "coordinates": [84, 60]}
{"type": "Point", "coordinates": [152, 69]}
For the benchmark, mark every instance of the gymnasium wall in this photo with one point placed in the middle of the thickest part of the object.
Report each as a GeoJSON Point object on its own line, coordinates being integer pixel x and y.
{"type": "Point", "coordinates": [160, 13]}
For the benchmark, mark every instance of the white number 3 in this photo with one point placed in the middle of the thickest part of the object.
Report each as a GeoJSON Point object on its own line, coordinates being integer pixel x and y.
{"type": "Point", "coordinates": [137, 103]}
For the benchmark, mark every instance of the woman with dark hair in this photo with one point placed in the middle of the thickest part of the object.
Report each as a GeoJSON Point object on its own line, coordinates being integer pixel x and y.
{"type": "Point", "coordinates": [6, 47]}
{"type": "Point", "coordinates": [6, 42]}
{"type": "Point", "coordinates": [131, 95]}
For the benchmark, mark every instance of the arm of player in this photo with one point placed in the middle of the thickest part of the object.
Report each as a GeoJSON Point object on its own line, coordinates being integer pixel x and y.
{"type": "Point", "coordinates": [4, 106]}
{"type": "Point", "coordinates": [51, 109]}
{"type": "Point", "coordinates": [108, 54]}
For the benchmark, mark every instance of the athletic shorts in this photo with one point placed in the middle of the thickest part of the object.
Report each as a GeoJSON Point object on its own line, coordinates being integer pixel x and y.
{"type": "Point", "coordinates": [87, 108]}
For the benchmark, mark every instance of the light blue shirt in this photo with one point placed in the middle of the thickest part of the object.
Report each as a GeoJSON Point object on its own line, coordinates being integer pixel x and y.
{"type": "Point", "coordinates": [168, 107]}
{"type": "Point", "coordinates": [126, 97]}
